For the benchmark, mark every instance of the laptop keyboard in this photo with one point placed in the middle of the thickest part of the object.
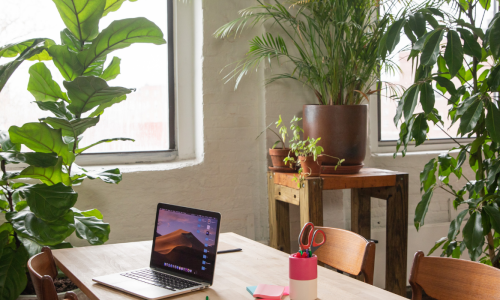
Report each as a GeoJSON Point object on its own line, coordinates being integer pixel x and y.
{"type": "Point", "coordinates": [161, 279]}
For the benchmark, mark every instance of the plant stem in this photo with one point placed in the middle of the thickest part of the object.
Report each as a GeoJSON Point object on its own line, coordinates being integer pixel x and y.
{"type": "Point", "coordinates": [491, 250]}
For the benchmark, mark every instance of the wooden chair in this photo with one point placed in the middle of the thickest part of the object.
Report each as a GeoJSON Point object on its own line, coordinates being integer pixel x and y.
{"type": "Point", "coordinates": [450, 278]}
{"type": "Point", "coordinates": [42, 268]}
{"type": "Point", "coordinates": [348, 252]}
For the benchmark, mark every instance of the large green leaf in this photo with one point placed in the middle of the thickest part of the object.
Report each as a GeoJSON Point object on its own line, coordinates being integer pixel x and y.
{"type": "Point", "coordinates": [473, 235]}
{"type": "Point", "coordinates": [121, 34]}
{"type": "Point", "coordinates": [420, 129]}
{"type": "Point", "coordinates": [88, 92]}
{"type": "Point", "coordinates": [31, 158]}
{"type": "Point", "coordinates": [422, 208]}
{"type": "Point", "coordinates": [81, 17]}
{"type": "Point", "coordinates": [394, 33]}
{"type": "Point", "coordinates": [108, 176]}
{"type": "Point", "coordinates": [471, 117]}
{"type": "Point", "coordinates": [92, 229]}
{"type": "Point", "coordinates": [6, 144]}
{"type": "Point", "coordinates": [428, 176]}
{"type": "Point", "coordinates": [70, 40]}
{"type": "Point", "coordinates": [72, 128]}
{"type": "Point", "coordinates": [445, 83]}
{"type": "Point", "coordinates": [66, 61]}
{"type": "Point", "coordinates": [494, 215]}
{"type": "Point", "coordinates": [28, 225]}
{"type": "Point", "coordinates": [455, 225]}
{"type": "Point", "coordinates": [410, 99]}
{"type": "Point", "coordinates": [113, 5]}
{"type": "Point", "coordinates": [427, 98]}
{"type": "Point", "coordinates": [96, 67]}
{"type": "Point", "coordinates": [417, 24]}
{"type": "Point", "coordinates": [57, 108]}
{"type": "Point", "coordinates": [100, 109]}
{"type": "Point", "coordinates": [112, 70]}
{"type": "Point", "coordinates": [471, 46]}
{"type": "Point", "coordinates": [493, 122]}
{"type": "Point", "coordinates": [494, 37]}
{"type": "Point", "coordinates": [13, 277]}
{"type": "Point", "coordinates": [78, 151]}
{"type": "Point", "coordinates": [50, 203]}
{"type": "Point", "coordinates": [12, 50]}
{"type": "Point", "coordinates": [49, 175]}
{"type": "Point", "coordinates": [42, 86]}
{"type": "Point", "coordinates": [454, 54]}
{"type": "Point", "coordinates": [40, 137]}
{"type": "Point", "coordinates": [430, 51]}
{"type": "Point", "coordinates": [8, 69]}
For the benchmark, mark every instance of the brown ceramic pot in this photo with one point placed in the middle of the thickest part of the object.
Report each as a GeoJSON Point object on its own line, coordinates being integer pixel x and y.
{"type": "Point", "coordinates": [309, 166]}
{"type": "Point", "coordinates": [277, 157]}
{"type": "Point", "coordinates": [342, 129]}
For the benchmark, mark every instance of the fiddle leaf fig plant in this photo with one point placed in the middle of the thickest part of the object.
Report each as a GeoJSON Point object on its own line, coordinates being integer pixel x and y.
{"type": "Point", "coordinates": [43, 214]}
{"type": "Point", "coordinates": [454, 58]}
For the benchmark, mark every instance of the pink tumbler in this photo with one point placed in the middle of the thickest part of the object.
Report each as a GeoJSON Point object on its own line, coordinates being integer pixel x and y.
{"type": "Point", "coordinates": [303, 278]}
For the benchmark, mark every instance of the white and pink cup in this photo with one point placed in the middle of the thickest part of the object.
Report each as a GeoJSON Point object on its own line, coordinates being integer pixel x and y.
{"type": "Point", "coordinates": [303, 278]}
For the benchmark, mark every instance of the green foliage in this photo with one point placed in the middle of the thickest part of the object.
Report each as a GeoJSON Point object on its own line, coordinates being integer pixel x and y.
{"type": "Point", "coordinates": [43, 214]}
{"type": "Point", "coordinates": [333, 45]}
{"type": "Point", "coordinates": [469, 56]}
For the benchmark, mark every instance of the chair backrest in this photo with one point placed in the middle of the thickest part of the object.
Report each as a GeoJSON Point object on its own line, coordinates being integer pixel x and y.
{"type": "Point", "coordinates": [451, 278]}
{"type": "Point", "coordinates": [348, 252]}
{"type": "Point", "coordinates": [42, 269]}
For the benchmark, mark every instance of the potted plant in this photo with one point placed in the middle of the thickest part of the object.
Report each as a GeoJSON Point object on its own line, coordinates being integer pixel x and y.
{"type": "Point", "coordinates": [43, 214]}
{"type": "Point", "coordinates": [333, 47]}
{"type": "Point", "coordinates": [278, 155]}
{"type": "Point", "coordinates": [307, 151]}
{"type": "Point", "coordinates": [468, 56]}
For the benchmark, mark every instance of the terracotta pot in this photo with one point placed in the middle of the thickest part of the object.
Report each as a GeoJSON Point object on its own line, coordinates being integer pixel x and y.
{"type": "Point", "coordinates": [277, 157]}
{"type": "Point", "coordinates": [310, 167]}
{"type": "Point", "coordinates": [342, 129]}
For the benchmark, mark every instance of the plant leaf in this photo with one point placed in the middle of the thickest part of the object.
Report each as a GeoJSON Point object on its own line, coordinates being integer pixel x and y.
{"type": "Point", "coordinates": [121, 34]}
{"type": "Point", "coordinates": [88, 92]}
{"type": "Point", "coordinates": [455, 225]}
{"type": "Point", "coordinates": [66, 61]}
{"type": "Point", "coordinates": [78, 151]}
{"type": "Point", "coordinates": [410, 101]}
{"type": "Point", "coordinates": [471, 46]}
{"type": "Point", "coordinates": [446, 83]}
{"type": "Point", "coordinates": [113, 70]}
{"type": "Point", "coordinates": [42, 86]}
{"type": "Point", "coordinates": [493, 36]}
{"type": "Point", "coordinates": [13, 277]}
{"type": "Point", "coordinates": [81, 17]}
{"type": "Point", "coordinates": [394, 33]}
{"type": "Point", "coordinates": [96, 67]}
{"type": "Point", "coordinates": [28, 225]}
{"type": "Point", "coordinates": [70, 40]}
{"type": "Point", "coordinates": [430, 51]}
{"type": "Point", "coordinates": [95, 231]}
{"type": "Point", "coordinates": [112, 5]}
{"type": "Point", "coordinates": [494, 215]}
{"type": "Point", "coordinates": [108, 176]}
{"type": "Point", "coordinates": [31, 158]}
{"type": "Point", "coordinates": [50, 203]}
{"type": "Point", "coordinates": [420, 129]}
{"type": "Point", "coordinates": [72, 128]}
{"type": "Point", "coordinates": [471, 117]}
{"type": "Point", "coordinates": [437, 245]}
{"type": "Point", "coordinates": [427, 98]}
{"type": "Point", "coordinates": [454, 54]}
{"type": "Point", "coordinates": [6, 144]}
{"type": "Point", "coordinates": [473, 235]}
{"type": "Point", "coordinates": [40, 137]}
{"type": "Point", "coordinates": [493, 122]}
{"type": "Point", "coordinates": [422, 208]}
{"type": "Point", "coordinates": [57, 108]}
{"type": "Point", "coordinates": [100, 109]}
{"type": "Point", "coordinates": [417, 24]}
{"type": "Point", "coordinates": [49, 175]}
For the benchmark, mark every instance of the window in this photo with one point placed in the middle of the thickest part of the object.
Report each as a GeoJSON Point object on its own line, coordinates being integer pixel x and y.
{"type": "Point", "coordinates": [146, 116]}
{"type": "Point", "coordinates": [387, 106]}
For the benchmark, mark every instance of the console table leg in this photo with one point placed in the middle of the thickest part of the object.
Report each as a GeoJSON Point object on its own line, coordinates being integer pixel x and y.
{"type": "Point", "coordinates": [397, 237]}
{"type": "Point", "coordinates": [360, 213]}
{"type": "Point", "coordinates": [279, 220]}
{"type": "Point", "coordinates": [311, 202]}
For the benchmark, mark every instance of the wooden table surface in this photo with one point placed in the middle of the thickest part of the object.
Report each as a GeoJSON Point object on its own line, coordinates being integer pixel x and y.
{"type": "Point", "coordinates": [256, 264]}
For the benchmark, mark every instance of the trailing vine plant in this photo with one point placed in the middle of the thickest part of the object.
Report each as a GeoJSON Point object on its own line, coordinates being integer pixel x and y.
{"type": "Point", "coordinates": [454, 58]}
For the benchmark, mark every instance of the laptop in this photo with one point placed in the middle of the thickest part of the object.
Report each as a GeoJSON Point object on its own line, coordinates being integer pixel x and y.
{"type": "Point", "coordinates": [182, 257]}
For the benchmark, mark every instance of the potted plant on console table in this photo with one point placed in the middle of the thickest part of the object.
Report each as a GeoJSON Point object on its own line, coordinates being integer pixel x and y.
{"type": "Point", "coordinates": [334, 50]}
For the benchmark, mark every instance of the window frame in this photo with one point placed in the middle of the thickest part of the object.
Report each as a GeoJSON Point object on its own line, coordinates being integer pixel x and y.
{"type": "Point", "coordinates": [130, 157]}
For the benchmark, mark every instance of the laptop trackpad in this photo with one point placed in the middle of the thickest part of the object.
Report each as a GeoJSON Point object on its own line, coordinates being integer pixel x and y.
{"type": "Point", "coordinates": [132, 286]}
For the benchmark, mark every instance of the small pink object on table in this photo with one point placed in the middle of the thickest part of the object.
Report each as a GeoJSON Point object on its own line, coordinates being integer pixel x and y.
{"type": "Point", "coordinates": [269, 291]}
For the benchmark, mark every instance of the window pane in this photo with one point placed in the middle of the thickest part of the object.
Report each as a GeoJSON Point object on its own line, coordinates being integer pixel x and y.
{"type": "Point", "coordinates": [143, 116]}
{"type": "Point", "coordinates": [388, 130]}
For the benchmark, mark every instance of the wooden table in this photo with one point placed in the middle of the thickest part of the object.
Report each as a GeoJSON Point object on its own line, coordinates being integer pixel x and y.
{"type": "Point", "coordinates": [256, 264]}
{"type": "Point", "coordinates": [383, 184]}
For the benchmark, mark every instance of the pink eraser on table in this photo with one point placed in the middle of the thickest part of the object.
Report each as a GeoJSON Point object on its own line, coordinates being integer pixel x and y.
{"type": "Point", "coordinates": [269, 291]}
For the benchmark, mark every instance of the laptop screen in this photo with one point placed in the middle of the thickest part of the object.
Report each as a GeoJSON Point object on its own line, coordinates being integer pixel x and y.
{"type": "Point", "coordinates": [185, 241]}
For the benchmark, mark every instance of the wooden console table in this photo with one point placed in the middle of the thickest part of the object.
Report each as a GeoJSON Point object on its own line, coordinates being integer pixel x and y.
{"type": "Point", "coordinates": [383, 184]}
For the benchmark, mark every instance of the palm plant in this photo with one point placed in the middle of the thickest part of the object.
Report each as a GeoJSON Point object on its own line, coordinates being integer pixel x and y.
{"type": "Point", "coordinates": [332, 44]}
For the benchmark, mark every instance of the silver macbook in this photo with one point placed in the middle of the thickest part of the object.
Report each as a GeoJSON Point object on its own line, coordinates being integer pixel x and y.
{"type": "Point", "coordinates": [182, 258]}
